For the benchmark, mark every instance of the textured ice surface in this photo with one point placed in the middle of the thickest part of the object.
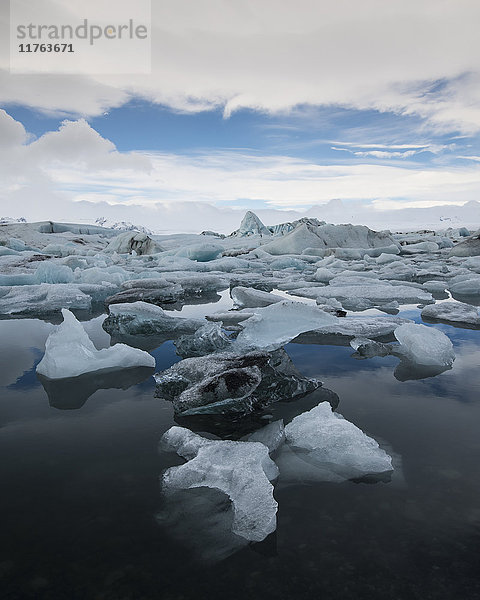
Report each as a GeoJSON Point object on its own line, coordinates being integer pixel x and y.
{"type": "Point", "coordinates": [335, 447]}
{"type": "Point", "coordinates": [42, 299]}
{"type": "Point", "coordinates": [420, 247]}
{"type": "Point", "coordinates": [275, 325]}
{"type": "Point", "coordinates": [226, 383]}
{"type": "Point", "coordinates": [132, 241]}
{"type": "Point", "coordinates": [372, 294]}
{"type": "Point", "coordinates": [452, 312]}
{"type": "Point", "coordinates": [201, 252]}
{"type": "Point", "coordinates": [272, 435]}
{"type": "Point", "coordinates": [207, 339]}
{"type": "Point", "coordinates": [467, 287]}
{"type": "Point", "coordinates": [366, 348]}
{"type": "Point", "coordinates": [352, 327]}
{"type": "Point", "coordinates": [469, 247]}
{"type": "Point", "coordinates": [327, 236]}
{"type": "Point", "coordinates": [241, 470]}
{"type": "Point", "coordinates": [142, 318]}
{"type": "Point", "coordinates": [244, 297]}
{"type": "Point", "coordinates": [251, 225]}
{"type": "Point", "coordinates": [424, 345]}
{"type": "Point", "coordinates": [323, 275]}
{"type": "Point", "coordinates": [70, 352]}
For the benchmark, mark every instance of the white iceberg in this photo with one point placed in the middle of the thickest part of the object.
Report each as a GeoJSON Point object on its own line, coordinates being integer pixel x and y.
{"type": "Point", "coordinates": [241, 470]}
{"type": "Point", "coordinates": [425, 346]}
{"type": "Point", "coordinates": [132, 242]}
{"type": "Point", "coordinates": [69, 352]}
{"type": "Point", "coordinates": [251, 225]}
{"type": "Point", "coordinates": [142, 318]}
{"type": "Point", "coordinates": [309, 236]}
{"type": "Point", "coordinates": [245, 297]}
{"type": "Point", "coordinates": [371, 293]}
{"type": "Point", "coordinates": [336, 448]}
{"type": "Point", "coordinates": [278, 324]}
{"type": "Point", "coordinates": [42, 299]}
{"type": "Point", "coordinates": [452, 312]}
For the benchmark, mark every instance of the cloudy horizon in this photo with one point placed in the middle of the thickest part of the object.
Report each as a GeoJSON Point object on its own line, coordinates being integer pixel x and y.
{"type": "Point", "coordinates": [362, 112]}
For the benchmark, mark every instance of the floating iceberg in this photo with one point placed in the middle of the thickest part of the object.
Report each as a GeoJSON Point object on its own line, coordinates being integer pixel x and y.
{"type": "Point", "coordinates": [308, 235]}
{"type": "Point", "coordinates": [70, 352]}
{"type": "Point", "coordinates": [132, 242]}
{"type": "Point", "coordinates": [241, 470]}
{"type": "Point", "coordinates": [228, 383]}
{"type": "Point", "coordinates": [207, 339]}
{"type": "Point", "coordinates": [272, 435]}
{"type": "Point", "coordinates": [42, 299]}
{"type": "Point", "coordinates": [336, 448]}
{"type": "Point", "coordinates": [201, 252]}
{"type": "Point", "coordinates": [355, 327]}
{"type": "Point", "coordinates": [275, 325]}
{"type": "Point", "coordinates": [372, 294]}
{"type": "Point", "coordinates": [366, 348]}
{"type": "Point", "coordinates": [470, 247]}
{"type": "Point", "coordinates": [142, 318]}
{"type": "Point", "coordinates": [245, 297]}
{"type": "Point", "coordinates": [425, 346]}
{"type": "Point", "coordinates": [452, 312]}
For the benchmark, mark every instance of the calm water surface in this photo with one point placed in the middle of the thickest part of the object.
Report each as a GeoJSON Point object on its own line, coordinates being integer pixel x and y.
{"type": "Point", "coordinates": [80, 490]}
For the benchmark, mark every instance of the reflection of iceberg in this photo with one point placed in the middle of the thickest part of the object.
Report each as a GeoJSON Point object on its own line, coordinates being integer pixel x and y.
{"type": "Point", "coordinates": [242, 470]}
{"type": "Point", "coordinates": [323, 446]}
{"type": "Point", "coordinates": [407, 370]}
{"type": "Point", "coordinates": [73, 392]}
{"type": "Point", "coordinates": [201, 519]}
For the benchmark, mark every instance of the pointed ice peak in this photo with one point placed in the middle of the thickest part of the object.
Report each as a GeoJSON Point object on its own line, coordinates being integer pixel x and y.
{"type": "Point", "coordinates": [251, 225]}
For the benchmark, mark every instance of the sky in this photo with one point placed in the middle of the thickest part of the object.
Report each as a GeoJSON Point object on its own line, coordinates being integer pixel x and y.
{"type": "Point", "coordinates": [348, 110]}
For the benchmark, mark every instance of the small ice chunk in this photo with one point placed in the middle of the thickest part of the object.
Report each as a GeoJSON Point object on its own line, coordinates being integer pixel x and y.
{"type": "Point", "coordinates": [328, 441]}
{"type": "Point", "coordinates": [207, 339]}
{"type": "Point", "coordinates": [420, 247]}
{"type": "Point", "coordinates": [323, 275]}
{"type": "Point", "coordinates": [244, 297]}
{"type": "Point", "coordinates": [241, 470]}
{"type": "Point", "coordinates": [201, 252]}
{"type": "Point", "coordinates": [452, 312]}
{"type": "Point", "coordinates": [272, 435]}
{"type": "Point", "coordinates": [70, 352]}
{"type": "Point", "coordinates": [366, 348]}
{"type": "Point", "coordinates": [132, 241]}
{"type": "Point", "coordinates": [142, 318]}
{"type": "Point", "coordinates": [425, 346]}
{"type": "Point", "coordinates": [275, 325]}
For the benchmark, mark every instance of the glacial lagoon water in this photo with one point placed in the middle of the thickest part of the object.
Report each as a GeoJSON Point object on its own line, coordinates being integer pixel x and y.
{"type": "Point", "coordinates": [83, 516]}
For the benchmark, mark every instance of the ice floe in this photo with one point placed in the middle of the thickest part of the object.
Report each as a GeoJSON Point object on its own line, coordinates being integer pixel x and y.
{"type": "Point", "coordinates": [229, 383]}
{"type": "Point", "coordinates": [323, 446]}
{"type": "Point", "coordinates": [70, 352]}
{"type": "Point", "coordinates": [241, 470]}
{"type": "Point", "coordinates": [452, 312]}
{"type": "Point", "coordinates": [425, 346]}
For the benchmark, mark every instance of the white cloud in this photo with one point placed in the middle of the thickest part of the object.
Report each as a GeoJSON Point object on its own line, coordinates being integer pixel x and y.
{"type": "Point", "coordinates": [272, 55]}
{"type": "Point", "coordinates": [75, 174]}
